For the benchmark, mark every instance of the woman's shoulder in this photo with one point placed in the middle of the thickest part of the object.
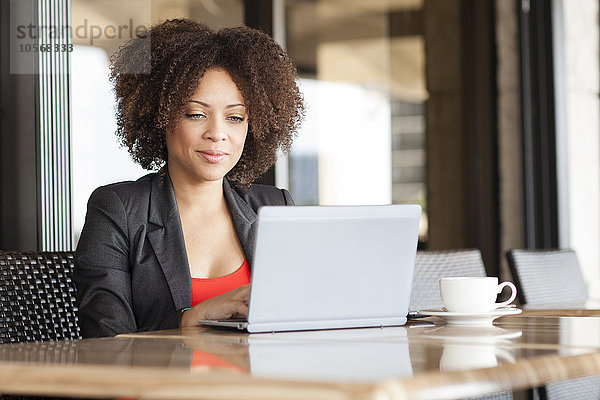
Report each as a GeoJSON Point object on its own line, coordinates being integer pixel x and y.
{"type": "Point", "coordinates": [126, 190]}
{"type": "Point", "coordinates": [262, 195]}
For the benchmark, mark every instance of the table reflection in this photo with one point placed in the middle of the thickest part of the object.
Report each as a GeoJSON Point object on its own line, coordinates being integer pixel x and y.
{"type": "Point", "coordinates": [578, 332]}
{"type": "Point", "coordinates": [229, 353]}
{"type": "Point", "coordinates": [361, 355]}
{"type": "Point", "coordinates": [473, 347]}
{"type": "Point", "coordinates": [352, 355]}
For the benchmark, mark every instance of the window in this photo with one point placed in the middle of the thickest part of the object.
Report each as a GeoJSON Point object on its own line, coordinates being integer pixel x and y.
{"type": "Point", "coordinates": [362, 70]}
{"type": "Point", "coordinates": [99, 28]}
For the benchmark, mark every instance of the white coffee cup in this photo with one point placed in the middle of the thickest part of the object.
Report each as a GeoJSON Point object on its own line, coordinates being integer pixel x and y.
{"type": "Point", "coordinates": [473, 294]}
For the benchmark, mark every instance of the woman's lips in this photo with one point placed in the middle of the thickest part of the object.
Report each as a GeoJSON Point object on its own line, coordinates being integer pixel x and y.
{"type": "Point", "coordinates": [213, 156]}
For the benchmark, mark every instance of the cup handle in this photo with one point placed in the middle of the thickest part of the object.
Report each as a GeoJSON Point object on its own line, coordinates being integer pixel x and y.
{"type": "Point", "coordinates": [513, 295]}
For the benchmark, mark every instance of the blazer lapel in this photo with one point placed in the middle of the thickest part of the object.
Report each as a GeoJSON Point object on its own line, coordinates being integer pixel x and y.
{"type": "Point", "coordinates": [166, 234]}
{"type": "Point", "coordinates": [166, 237]}
{"type": "Point", "coordinates": [244, 219]}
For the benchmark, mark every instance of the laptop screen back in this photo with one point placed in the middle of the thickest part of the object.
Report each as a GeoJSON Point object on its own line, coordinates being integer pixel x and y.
{"type": "Point", "coordinates": [333, 263]}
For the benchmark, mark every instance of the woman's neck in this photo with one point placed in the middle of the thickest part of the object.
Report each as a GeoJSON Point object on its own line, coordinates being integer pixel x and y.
{"type": "Point", "coordinates": [198, 197]}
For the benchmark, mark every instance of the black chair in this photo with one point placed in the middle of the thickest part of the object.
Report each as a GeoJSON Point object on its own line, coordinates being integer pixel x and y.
{"type": "Point", "coordinates": [548, 277]}
{"type": "Point", "coordinates": [430, 266]}
{"type": "Point", "coordinates": [37, 297]}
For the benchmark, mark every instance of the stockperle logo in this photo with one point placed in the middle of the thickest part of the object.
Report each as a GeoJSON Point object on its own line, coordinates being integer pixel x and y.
{"type": "Point", "coordinates": [84, 32]}
{"type": "Point", "coordinates": [43, 36]}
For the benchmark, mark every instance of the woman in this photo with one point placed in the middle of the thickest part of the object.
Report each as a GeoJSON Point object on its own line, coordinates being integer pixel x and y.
{"type": "Point", "coordinates": [175, 246]}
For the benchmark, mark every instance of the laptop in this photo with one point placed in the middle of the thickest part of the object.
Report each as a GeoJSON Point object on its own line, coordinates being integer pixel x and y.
{"type": "Point", "coordinates": [328, 267]}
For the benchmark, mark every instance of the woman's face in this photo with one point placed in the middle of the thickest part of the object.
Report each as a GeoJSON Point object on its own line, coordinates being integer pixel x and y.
{"type": "Point", "coordinates": [209, 139]}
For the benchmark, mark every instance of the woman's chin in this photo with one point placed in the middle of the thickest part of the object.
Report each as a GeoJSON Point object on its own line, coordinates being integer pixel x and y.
{"type": "Point", "coordinates": [212, 176]}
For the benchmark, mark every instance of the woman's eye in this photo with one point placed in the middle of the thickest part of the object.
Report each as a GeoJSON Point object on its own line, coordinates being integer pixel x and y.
{"type": "Point", "coordinates": [236, 119]}
{"type": "Point", "coordinates": [195, 115]}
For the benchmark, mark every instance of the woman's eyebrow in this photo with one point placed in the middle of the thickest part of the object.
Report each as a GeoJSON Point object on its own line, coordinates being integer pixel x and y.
{"type": "Point", "coordinates": [200, 102]}
{"type": "Point", "coordinates": [208, 105]}
{"type": "Point", "coordinates": [235, 105]}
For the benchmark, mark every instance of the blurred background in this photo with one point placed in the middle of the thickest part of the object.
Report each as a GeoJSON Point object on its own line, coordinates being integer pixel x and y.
{"type": "Point", "coordinates": [485, 112]}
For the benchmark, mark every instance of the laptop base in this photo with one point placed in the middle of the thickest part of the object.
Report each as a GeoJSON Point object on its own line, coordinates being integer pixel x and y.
{"type": "Point", "coordinates": [267, 327]}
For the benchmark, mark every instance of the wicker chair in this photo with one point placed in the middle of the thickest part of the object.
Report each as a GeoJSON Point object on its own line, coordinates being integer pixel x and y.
{"type": "Point", "coordinates": [37, 297]}
{"type": "Point", "coordinates": [584, 388]}
{"type": "Point", "coordinates": [540, 277]}
{"type": "Point", "coordinates": [430, 266]}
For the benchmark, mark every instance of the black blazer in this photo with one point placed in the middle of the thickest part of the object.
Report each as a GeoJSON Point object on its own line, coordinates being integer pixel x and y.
{"type": "Point", "coordinates": [131, 267]}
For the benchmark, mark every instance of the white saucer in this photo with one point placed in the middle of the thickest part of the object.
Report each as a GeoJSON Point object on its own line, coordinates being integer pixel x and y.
{"type": "Point", "coordinates": [472, 333]}
{"type": "Point", "coordinates": [453, 318]}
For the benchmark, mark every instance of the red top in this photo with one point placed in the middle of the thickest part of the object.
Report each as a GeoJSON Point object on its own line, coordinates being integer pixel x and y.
{"type": "Point", "coordinates": [207, 288]}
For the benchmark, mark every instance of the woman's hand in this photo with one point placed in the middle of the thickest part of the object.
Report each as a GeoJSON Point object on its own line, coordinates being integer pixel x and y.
{"type": "Point", "coordinates": [231, 304]}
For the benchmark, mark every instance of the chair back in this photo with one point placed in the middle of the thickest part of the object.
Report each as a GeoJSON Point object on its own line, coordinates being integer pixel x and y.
{"type": "Point", "coordinates": [37, 297]}
{"type": "Point", "coordinates": [430, 266]}
{"type": "Point", "coordinates": [582, 388]}
{"type": "Point", "coordinates": [548, 277]}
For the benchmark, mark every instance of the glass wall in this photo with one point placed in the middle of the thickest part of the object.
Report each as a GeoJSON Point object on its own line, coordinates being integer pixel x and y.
{"type": "Point", "coordinates": [362, 69]}
{"type": "Point", "coordinates": [362, 74]}
{"type": "Point", "coordinates": [99, 28]}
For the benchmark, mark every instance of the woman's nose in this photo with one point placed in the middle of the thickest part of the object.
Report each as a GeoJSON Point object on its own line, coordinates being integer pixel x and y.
{"type": "Point", "coordinates": [215, 130]}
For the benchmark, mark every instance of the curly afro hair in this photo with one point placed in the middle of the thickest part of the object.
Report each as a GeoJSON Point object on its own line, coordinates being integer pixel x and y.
{"type": "Point", "coordinates": [181, 51]}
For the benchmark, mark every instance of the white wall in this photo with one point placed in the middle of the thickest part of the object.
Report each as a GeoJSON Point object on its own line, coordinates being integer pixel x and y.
{"type": "Point", "coordinates": [580, 20]}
